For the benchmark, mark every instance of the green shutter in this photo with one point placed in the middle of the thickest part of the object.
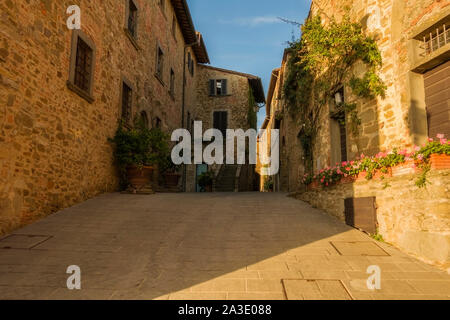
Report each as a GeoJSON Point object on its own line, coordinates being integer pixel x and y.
{"type": "Point", "coordinates": [212, 87]}
{"type": "Point", "coordinates": [224, 87]}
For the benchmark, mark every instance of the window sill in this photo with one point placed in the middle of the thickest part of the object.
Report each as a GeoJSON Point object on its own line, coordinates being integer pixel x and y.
{"type": "Point", "coordinates": [157, 76]}
{"type": "Point", "coordinates": [132, 39]}
{"type": "Point", "coordinates": [83, 94]}
{"type": "Point", "coordinates": [432, 60]}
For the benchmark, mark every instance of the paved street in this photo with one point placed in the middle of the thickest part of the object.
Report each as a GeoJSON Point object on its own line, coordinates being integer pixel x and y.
{"type": "Point", "coordinates": [206, 246]}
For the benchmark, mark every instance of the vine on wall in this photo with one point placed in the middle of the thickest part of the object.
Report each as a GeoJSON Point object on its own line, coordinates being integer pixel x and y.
{"type": "Point", "coordinates": [320, 63]}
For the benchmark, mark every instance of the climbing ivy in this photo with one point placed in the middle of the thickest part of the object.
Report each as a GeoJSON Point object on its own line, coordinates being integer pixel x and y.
{"type": "Point", "coordinates": [320, 63]}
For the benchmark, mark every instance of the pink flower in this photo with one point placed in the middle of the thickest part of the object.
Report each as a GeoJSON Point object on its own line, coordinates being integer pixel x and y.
{"type": "Point", "coordinates": [326, 184]}
{"type": "Point", "coordinates": [430, 140]}
{"type": "Point", "coordinates": [420, 157]}
{"type": "Point", "coordinates": [362, 156]}
{"type": "Point", "coordinates": [440, 136]}
{"type": "Point", "coordinates": [403, 152]}
{"type": "Point", "coordinates": [443, 141]}
{"type": "Point", "coordinates": [339, 171]}
{"type": "Point", "coordinates": [416, 148]}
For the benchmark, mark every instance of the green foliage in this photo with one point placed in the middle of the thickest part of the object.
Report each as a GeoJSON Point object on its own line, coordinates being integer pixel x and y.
{"type": "Point", "coordinates": [140, 146]}
{"type": "Point", "coordinates": [268, 184]}
{"type": "Point", "coordinates": [422, 180]}
{"type": "Point", "coordinates": [382, 162]}
{"type": "Point", "coordinates": [321, 62]}
{"type": "Point", "coordinates": [423, 154]}
{"type": "Point", "coordinates": [377, 237]}
{"type": "Point", "coordinates": [205, 179]}
{"type": "Point", "coordinates": [252, 117]}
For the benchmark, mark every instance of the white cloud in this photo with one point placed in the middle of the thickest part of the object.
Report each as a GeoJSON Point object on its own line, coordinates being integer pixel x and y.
{"type": "Point", "coordinates": [252, 21]}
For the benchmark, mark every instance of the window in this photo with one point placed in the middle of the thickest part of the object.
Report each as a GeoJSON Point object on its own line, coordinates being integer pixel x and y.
{"type": "Point", "coordinates": [174, 27]}
{"type": "Point", "coordinates": [127, 100]}
{"type": "Point", "coordinates": [144, 119]}
{"type": "Point", "coordinates": [132, 16]}
{"type": "Point", "coordinates": [82, 60]}
{"type": "Point", "coordinates": [172, 83]}
{"type": "Point", "coordinates": [159, 63]}
{"type": "Point", "coordinates": [436, 39]}
{"type": "Point", "coordinates": [162, 5]}
{"type": "Point", "coordinates": [339, 128]}
{"type": "Point", "coordinates": [221, 121]}
{"type": "Point", "coordinates": [83, 66]}
{"type": "Point", "coordinates": [218, 87]}
{"type": "Point", "coordinates": [188, 122]}
{"type": "Point", "coordinates": [190, 64]}
{"type": "Point", "coordinates": [158, 123]}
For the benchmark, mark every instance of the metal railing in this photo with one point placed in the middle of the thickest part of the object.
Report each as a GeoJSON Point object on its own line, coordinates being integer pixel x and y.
{"type": "Point", "coordinates": [436, 39]}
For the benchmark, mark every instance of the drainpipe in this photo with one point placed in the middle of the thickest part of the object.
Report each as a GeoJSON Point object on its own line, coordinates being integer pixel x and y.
{"type": "Point", "coordinates": [183, 103]}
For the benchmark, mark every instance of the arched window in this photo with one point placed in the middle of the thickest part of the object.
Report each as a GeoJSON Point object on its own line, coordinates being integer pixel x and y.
{"type": "Point", "coordinates": [144, 119]}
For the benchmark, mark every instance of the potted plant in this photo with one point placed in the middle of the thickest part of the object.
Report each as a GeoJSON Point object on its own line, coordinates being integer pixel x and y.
{"type": "Point", "coordinates": [170, 173]}
{"type": "Point", "coordinates": [137, 151]}
{"type": "Point", "coordinates": [268, 185]}
{"type": "Point", "coordinates": [205, 181]}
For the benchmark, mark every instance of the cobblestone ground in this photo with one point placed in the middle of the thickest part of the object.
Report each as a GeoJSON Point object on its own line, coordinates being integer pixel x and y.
{"type": "Point", "coordinates": [205, 246]}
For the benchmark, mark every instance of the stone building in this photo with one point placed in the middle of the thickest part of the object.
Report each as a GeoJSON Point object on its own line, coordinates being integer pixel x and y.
{"type": "Point", "coordinates": [414, 41]}
{"type": "Point", "coordinates": [225, 99]}
{"type": "Point", "coordinates": [63, 93]}
{"type": "Point", "coordinates": [415, 70]}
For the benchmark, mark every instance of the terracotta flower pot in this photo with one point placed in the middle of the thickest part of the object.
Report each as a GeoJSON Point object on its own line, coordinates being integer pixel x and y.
{"type": "Point", "coordinates": [139, 177]}
{"type": "Point", "coordinates": [348, 179]}
{"type": "Point", "coordinates": [440, 161]}
{"type": "Point", "coordinates": [171, 179]}
{"type": "Point", "coordinates": [405, 168]}
{"type": "Point", "coordinates": [313, 185]}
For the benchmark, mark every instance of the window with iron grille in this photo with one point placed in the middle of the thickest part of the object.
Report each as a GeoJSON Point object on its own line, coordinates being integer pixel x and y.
{"type": "Point", "coordinates": [83, 66]}
{"type": "Point", "coordinates": [132, 18]}
{"type": "Point", "coordinates": [127, 100]}
{"type": "Point", "coordinates": [436, 39]}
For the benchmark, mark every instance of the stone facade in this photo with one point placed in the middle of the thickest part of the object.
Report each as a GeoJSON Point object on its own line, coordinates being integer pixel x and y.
{"type": "Point", "coordinates": [235, 103]}
{"type": "Point", "coordinates": [399, 120]}
{"type": "Point", "coordinates": [54, 149]}
{"type": "Point", "coordinates": [415, 220]}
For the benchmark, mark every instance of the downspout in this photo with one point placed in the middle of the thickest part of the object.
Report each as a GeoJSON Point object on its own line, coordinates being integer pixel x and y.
{"type": "Point", "coordinates": [183, 102]}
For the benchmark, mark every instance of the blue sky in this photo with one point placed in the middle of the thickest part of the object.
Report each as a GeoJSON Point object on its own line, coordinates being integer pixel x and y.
{"type": "Point", "coordinates": [246, 35]}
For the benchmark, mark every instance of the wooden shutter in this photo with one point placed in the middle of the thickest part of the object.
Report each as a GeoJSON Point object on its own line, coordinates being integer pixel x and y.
{"type": "Point", "coordinates": [437, 97]}
{"type": "Point", "coordinates": [212, 87]}
{"type": "Point", "coordinates": [361, 213]}
{"type": "Point", "coordinates": [221, 121]}
{"type": "Point", "coordinates": [224, 87]}
{"type": "Point", "coordinates": [343, 131]}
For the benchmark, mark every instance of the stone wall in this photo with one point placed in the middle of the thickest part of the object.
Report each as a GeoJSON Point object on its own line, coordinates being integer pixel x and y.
{"type": "Point", "coordinates": [54, 149]}
{"type": "Point", "coordinates": [235, 102]}
{"type": "Point", "coordinates": [399, 119]}
{"type": "Point", "coordinates": [415, 220]}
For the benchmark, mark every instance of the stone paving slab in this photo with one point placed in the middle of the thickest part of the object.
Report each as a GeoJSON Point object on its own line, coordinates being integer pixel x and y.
{"type": "Point", "coordinates": [235, 246]}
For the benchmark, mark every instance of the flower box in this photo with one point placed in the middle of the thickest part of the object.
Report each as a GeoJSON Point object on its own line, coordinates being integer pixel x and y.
{"type": "Point", "coordinates": [405, 168]}
{"type": "Point", "coordinates": [313, 185]}
{"type": "Point", "coordinates": [348, 179]}
{"type": "Point", "coordinates": [362, 176]}
{"type": "Point", "coordinates": [440, 161]}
